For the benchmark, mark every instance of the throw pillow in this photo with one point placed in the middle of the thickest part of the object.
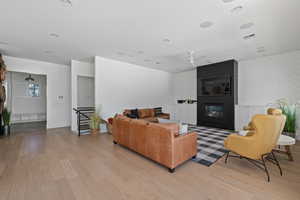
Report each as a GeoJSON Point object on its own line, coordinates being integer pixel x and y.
{"type": "Point", "coordinates": [158, 111]}
{"type": "Point", "coordinates": [135, 113]}
{"type": "Point", "coordinates": [131, 116]}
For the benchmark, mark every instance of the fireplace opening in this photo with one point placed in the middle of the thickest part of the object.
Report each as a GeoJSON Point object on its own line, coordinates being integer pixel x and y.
{"type": "Point", "coordinates": [214, 110]}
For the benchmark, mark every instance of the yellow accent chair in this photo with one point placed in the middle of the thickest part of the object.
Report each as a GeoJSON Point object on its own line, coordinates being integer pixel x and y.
{"type": "Point", "coordinates": [258, 145]}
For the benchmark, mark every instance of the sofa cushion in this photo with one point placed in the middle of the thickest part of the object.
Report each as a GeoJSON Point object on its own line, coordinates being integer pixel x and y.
{"type": "Point", "coordinates": [139, 121]}
{"type": "Point", "coordinates": [143, 113]}
{"type": "Point", "coordinates": [151, 119]}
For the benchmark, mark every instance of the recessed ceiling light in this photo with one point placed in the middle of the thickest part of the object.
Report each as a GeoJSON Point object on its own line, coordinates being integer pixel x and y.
{"type": "Point", "coordinates": [236, 9]}
{"type": "Point", "coordinates": [227, 1]}
{"type": "Point", "coordinates": [67, 2]}
{"type": "Point", "coordinates": [48, 51]}
{"type": "Point", "coordinates": [166, 40]}
{"type": "Point", "coordinates": [120, 53]}
{"type": "Point", "coordinates": [206, 24]}
{"type": "Point", "coordinates": [250, 36]}
{"type": "Point", "coordinates": [246, 26]}
{"type": "Point", "coordinates": [54, 35]}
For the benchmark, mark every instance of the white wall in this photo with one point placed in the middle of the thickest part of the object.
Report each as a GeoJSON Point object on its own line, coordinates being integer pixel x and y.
{"type": "Point", "coordinates": [120, 85]}
{"type": "Point", "coordinates": [78, 68]}
{"type": "Point", "coordinates": [25, 108]}
{"type": "Point", "coordinates": [58, 87]}
{"type": "Point", "coordinates": [266, 79]}
{"type": "Point", "coordinates": [185, 86]}
{"type": "Point", "coordinates": [85, 91]}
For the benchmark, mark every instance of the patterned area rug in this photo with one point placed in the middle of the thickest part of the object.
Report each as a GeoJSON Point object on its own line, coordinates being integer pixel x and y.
{"type": "Point", "coordinates": [210, 144]}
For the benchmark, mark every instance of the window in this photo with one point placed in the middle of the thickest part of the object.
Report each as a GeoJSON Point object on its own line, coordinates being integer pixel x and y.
{"type": "Point", "coordinates": [33, 90]}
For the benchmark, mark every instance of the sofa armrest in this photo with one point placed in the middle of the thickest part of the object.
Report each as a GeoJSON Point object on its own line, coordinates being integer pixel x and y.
{"type": "Point", "coordinates": [185, 147]}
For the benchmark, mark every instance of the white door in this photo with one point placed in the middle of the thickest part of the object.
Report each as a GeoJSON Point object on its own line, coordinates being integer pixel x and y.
{"type": "Point", "coordinates": [86, 91]}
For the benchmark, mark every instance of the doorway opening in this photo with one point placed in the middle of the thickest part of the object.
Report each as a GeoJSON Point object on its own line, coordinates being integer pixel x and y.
{"type": "Point", "coordinates": [27, 101]}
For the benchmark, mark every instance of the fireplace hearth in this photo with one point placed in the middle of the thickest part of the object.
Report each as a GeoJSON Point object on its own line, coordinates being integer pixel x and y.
{"type": "Point", "coordinates": [217, 94]}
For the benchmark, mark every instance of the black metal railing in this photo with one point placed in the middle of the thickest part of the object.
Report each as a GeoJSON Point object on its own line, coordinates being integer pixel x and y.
{"type": "Point", "coordinates": [83, 118]}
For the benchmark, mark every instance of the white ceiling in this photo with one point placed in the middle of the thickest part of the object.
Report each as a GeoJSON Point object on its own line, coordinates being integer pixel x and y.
{"type": "Point", "coordinates": [122, 29]}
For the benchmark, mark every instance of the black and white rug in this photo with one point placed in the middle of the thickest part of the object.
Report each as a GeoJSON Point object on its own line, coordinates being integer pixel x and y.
{"type": "Point", "coordinates": [210, 144]}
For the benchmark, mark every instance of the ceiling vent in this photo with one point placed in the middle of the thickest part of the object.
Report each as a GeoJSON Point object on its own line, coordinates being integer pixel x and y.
{"type": "Point", "coordinates": [237, 9]}
{"type": "Point", "coordinates": [206, 24]}
{"type": "Point", "coordinates": [250, 36]}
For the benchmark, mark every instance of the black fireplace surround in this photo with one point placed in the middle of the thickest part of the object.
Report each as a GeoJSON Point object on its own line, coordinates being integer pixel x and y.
{"type": "Point", "coordinates": [217, 94]}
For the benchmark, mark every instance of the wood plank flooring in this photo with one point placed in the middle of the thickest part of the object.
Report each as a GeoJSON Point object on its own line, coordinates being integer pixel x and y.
{"type": "Point", "coordinates": [56, 164]}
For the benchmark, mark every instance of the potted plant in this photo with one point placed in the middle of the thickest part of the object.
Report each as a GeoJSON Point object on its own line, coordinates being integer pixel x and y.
{"type": "Point", "coordinates": [289, 110]}
{"type": "Point", "coordinates": [6, 121]}
{"type": "Point", "coordinates": [95, 121]}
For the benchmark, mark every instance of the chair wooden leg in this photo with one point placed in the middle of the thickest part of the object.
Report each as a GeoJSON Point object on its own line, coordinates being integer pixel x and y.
{"type": "Point", "coordinates": [277, 163]}
{"type": "Point", "coordinates": [265, 166]}
{"type": "Point", "coordinates": [288, 152]}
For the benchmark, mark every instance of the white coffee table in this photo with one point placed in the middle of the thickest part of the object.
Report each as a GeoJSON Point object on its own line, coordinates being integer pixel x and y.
{"type": "Point", "coordinates": [286, 141]}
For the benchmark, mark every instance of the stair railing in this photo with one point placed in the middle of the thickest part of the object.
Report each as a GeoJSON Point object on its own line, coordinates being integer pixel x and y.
{"type": "Point", "coordinates": [83, 118]}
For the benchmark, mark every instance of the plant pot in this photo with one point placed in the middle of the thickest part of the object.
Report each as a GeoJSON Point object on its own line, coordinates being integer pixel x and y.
{"type": "Point", "coordinates": [94, 131]}
{"type": "Point", "coordinates": [293, 135]}
{"type": "Point", "coordinates": [7, 130]}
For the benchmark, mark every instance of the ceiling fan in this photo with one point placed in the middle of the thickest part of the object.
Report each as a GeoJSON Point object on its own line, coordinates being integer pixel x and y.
{"type": "Point", "coordinates": [29, 78]}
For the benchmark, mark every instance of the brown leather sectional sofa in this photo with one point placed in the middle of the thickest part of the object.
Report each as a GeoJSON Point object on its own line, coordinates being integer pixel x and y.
{"type": "Point", "coordinates": [159, 142]}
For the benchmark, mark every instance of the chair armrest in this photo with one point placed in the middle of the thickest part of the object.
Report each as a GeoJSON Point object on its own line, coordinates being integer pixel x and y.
{"type": "Point", "coordinates": [249, 127]}
{"type": "Point", "coordinates": [185, 147]}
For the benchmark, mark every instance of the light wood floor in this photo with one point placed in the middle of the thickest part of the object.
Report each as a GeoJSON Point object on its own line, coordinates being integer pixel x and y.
{"type": "Point", "coordinates": [58, 165]}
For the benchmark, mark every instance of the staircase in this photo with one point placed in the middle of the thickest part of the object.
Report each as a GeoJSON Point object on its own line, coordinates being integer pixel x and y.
{"type": "Point", "coordinates": [83, 118]}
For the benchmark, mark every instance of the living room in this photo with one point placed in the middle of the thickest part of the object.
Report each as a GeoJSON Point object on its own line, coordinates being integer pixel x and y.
{"type": "Point", "coordinates": [185, 100]}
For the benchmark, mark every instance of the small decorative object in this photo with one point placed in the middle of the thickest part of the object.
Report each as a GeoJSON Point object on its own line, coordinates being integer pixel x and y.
{"type": "Point", "coordinates": [6, 121]}
{"type": "Point", "coordinates": [289, 110]}
{"type": "Point", "coordinates": [95, 121]}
